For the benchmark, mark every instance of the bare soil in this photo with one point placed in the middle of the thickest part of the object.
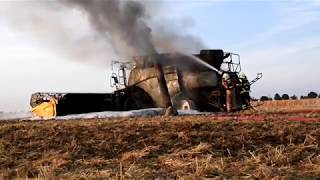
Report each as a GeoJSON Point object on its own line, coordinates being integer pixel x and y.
{"type": "Point", "coordinates": [221, 146]}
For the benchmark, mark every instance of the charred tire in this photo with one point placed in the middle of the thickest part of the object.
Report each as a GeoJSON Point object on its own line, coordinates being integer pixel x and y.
{"type": "Point", "coordinates": [137, 99]}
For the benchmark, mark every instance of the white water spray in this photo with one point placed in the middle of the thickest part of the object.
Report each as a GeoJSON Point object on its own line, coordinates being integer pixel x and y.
{"type": "Point", "coordinates": [200, 61]}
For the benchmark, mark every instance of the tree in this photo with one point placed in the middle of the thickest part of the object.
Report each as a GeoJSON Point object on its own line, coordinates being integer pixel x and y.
{"type": "Point", "coordinates": [312, 95]}
{"type": "Point", "coordinates": [264, 98]}
{"type": "Point", "coordinates": [294, 97]}
{"type": "Point", "coordinates": [285, 97]}
{"type": "Point", "coordinates": [277, 97]}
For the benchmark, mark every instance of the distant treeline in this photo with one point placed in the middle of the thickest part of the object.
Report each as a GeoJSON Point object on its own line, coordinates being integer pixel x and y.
{"type": "Point", "coordinates": [311, 95]}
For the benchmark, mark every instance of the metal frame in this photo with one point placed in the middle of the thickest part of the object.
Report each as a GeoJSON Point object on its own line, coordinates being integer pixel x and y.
{"type": "Point", "coordinates": [233, 64]}
{"type": "Point", "coordinates": [121, 74]}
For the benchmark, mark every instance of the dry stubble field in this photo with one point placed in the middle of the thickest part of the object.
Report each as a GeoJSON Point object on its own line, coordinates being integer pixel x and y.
{"type": "Point", "coordinates": [219, 146]}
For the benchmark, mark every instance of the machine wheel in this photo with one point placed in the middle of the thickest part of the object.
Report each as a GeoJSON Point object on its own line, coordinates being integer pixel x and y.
{"type": "Point", "coordinates": [186, 105]}
{"type": "Point", "coordinates": [131, 104]}
{"type": "Point", "coordinates": [137, 99]}
{"type": "Point", "coordinates": [183, 103]}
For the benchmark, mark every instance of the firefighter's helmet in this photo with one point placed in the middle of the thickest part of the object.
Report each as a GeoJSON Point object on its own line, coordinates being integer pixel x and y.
{"type": "Point", "coordinates": [225, 76]}
{"type": "Point", "coordinates": [242, 75]}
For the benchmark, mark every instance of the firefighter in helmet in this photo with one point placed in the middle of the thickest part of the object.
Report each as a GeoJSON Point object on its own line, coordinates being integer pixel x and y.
{"type": "Point", "coordinates": [229, 86]}
{"type": "Point", "coordinates": [245, 90]}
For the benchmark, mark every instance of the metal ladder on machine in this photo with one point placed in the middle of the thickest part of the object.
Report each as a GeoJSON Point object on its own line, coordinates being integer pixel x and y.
{"type": "Point", "coordinates": [119, 80]}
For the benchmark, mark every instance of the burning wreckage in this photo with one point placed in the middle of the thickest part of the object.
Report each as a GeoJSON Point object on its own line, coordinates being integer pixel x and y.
{"type": "Point", "coordinates": [209, 81]}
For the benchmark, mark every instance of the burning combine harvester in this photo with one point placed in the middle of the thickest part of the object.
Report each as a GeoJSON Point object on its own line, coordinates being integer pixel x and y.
{"type": "Point", "coordinates": [209, 81]}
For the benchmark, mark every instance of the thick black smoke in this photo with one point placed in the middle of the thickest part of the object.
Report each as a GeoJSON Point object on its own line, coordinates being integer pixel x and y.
{"type": "Point", "coordinates": [122, 23]}
{"type": "Point", "coordinates": [95, 31]}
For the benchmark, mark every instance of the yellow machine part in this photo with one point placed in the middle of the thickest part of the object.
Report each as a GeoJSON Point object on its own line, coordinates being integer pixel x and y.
{"type": "Point", "coordinates": [46, 110]}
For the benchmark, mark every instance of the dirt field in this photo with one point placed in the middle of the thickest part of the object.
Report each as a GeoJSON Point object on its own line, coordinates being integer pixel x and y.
{"type": "Point", "coordinates": [247, 146]}
{"type": "Point", "coordinates": [303, 105]}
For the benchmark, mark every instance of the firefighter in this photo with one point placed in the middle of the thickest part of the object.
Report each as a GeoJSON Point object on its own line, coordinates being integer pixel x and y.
{"type": "Point", "coordinates": [229, 86]}
{"type": "Point", "coordinates": [245, 90]}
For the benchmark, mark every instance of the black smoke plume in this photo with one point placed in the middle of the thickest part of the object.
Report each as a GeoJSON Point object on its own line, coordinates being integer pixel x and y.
{"type": "Point", "coordinates": [95, 31]}
{"type": "Point", "coordinates": [122, 23]}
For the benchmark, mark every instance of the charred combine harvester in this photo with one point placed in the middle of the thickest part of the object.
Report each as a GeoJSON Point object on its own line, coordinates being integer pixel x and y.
{"type": "Point", "coordinates": [161, 80]}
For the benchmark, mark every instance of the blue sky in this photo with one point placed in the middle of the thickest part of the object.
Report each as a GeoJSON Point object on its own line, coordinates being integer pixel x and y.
{"type": "Point", "coordinates": [278, 38]}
